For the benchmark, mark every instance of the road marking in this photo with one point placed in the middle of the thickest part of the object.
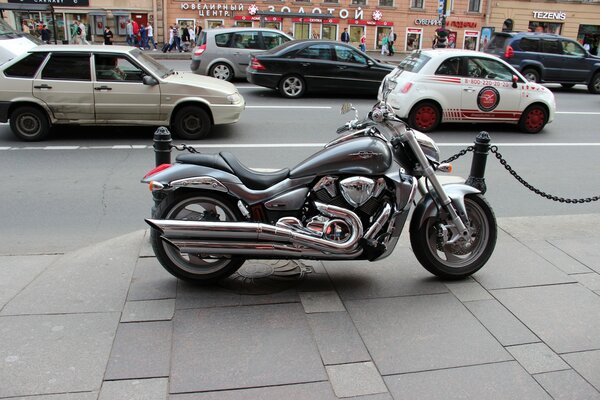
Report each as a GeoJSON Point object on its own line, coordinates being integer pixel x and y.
{"type": "Point", "coordinates": [579, 112]}
{"type": "Point", "coordinates": [294, 107]}
{"type": "Point", "coordinates": [277, 145]}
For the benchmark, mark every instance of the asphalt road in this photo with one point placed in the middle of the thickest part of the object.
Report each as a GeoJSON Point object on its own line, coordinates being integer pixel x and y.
{"type": "Point", "coordinates": [82, 186]}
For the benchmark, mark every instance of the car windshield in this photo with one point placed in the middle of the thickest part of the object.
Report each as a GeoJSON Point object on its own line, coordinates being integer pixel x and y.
{"type": "Point", "coordinates": [414, 62]}
{"type": "Point", "coordinates": [154, 66]}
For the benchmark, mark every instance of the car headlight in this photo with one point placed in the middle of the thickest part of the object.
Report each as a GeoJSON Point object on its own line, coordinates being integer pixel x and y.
{"type": "Point", "coordinates": [234, 98]}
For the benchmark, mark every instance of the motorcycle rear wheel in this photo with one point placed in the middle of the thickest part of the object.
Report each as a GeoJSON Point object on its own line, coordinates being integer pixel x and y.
{"type": "Point", "coordinates": [195, 206]}
{"type": "Point", "coordinates": [459, 260]}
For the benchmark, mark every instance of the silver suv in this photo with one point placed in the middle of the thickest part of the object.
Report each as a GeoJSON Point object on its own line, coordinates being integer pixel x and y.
{"type": "Point", "coordinates": [109, 85]}
{"type": "Point", "coordinates": [225, 53]}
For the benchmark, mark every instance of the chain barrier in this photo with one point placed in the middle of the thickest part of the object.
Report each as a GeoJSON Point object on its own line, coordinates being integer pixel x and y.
{"type": "Point", "coordinates": [185, 147]}
{"type": "Point", "coordinates": [498, 155]}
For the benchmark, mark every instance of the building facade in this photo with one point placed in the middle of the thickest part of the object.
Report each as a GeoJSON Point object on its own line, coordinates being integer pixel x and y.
{"type": "Point", "coordinates": [414, 22]}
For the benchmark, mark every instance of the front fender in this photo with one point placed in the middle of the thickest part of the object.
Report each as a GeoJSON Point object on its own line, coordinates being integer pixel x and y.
{"type": "Point", "coordinates": [427, 207]}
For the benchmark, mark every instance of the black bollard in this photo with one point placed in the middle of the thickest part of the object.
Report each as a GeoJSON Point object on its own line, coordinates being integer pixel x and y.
{"type": "Point", "coordinates": [162, 146]}
{"type": "Point", "coordinates": [476, 177]}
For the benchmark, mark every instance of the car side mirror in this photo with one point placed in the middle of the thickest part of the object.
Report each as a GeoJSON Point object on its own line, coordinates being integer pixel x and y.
{"type": "Point", "coordinates": [515, 79]}
{"type": "Point", "coordinates": [149, 80]}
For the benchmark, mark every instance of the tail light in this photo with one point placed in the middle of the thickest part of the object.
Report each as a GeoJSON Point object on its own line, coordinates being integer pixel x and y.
{"type": "Point", "coordinates": [256, 65]}
{"type": "Point", "coordinates": [509, 52]}
{"type": "Point", "coordinates": [156, 170]}
{"type": "Point", "coordinates": [199, 50]}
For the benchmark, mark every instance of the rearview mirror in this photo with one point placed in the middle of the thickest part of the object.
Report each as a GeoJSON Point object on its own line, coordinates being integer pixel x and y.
{"type": "Point", "coordinates": [148, 80]}
{"type": "Point", "coordinates": [515, 79]}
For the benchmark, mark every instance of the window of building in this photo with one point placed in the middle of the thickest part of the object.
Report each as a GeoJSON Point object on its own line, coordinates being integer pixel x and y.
{"type": "Point", "coordinates": [474, 5]}
{"type": "Point", "coordinates": [359, 2]}
{"type": "Point", "coordinates": [244, 24]}
{"type": "Point", "coordinates": [329, 32]}
{"type": "Point", "coordinates": [386, 3]}
{"type": "Point", "coordinates": [73, 67]}
{"type": "Point", "coordinates": [416, 4]}
{"type": "Point", "coordinates": [301, 30]}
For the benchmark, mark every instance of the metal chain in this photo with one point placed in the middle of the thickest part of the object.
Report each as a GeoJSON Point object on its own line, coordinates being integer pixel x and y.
{"type": "Point", "coordinates": [458, 155]}
{"type": "Point", "coordinates": [185, 147]}
{"type": "Point", "coordinates": [494, 150]}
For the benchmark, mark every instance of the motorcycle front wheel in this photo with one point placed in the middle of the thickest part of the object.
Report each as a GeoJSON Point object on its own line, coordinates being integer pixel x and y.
{"type": "Point", "coordinates": [463, 258]}
{"type": "Point", "coordinates": [195, 206]}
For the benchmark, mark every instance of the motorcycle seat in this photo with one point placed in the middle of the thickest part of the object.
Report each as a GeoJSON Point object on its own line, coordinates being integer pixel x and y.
{"type": "Point", "coordinates": [205, 160]}
{"type": "Point", "coordinates": [253, 179]}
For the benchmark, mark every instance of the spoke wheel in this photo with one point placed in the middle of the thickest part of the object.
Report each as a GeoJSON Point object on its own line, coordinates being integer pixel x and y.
{"type": "Point", "coordinates": [463, 258]}
{"type": "Point", "coordinates": [292, 86]}
{"type": "Point", "coordinates": [425, 117]}
{"type": "Point", "coordinates": [222, 71]}
{"type": "Point", "coordinates": [534, 119]}
{"type": "Point", "coordinates": [197, 268]}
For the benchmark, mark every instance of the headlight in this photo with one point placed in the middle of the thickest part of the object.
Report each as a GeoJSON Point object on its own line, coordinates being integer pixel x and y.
{"type": "Point", "coordinates": [234, 98]}
{"type": "Point", "coordinates": [428, 145]}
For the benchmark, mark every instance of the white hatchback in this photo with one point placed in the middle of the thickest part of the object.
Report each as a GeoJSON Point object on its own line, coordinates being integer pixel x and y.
{"type": "Point", "coordinates": [450, 85]}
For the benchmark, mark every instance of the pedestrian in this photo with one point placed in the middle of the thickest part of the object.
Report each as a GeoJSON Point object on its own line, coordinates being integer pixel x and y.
{"type": "Point", "coordinates": [25, 27]}
{"type": "Point", "coordinates": [391, 37]}
{"type": "Point", "coordinates": [45, 34]}
{"type": "Point", "coordinates": [150, 33]}
{"type": "Point", "coordinates": [129, 33]}
{"type": "Point", "coordinates": [75, 33]}
{"type": "Point", "coordinates": [345, 36]}
{"type": "Point", "coordinates": [363, 43]}
{"type": "Point", "coordinates": [384, 46]}
{"type": "Point", "coordinates": [82, 38]}
{"type": "Point", "coordinates": [315, 35]}
{"type": "Point", "coordinates": [192, 33]}
{"type": "Point", "coordinates": [198, 34]}
{"type": "Point", "coordinates": [143, 42]}
{"type": "Point", "coordinates": [176, 41]}
{"type": "Point", "coordinates": [108, 36]}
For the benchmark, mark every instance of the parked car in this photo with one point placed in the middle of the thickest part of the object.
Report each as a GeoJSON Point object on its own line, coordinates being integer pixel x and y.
{"type": "Point", "coordinates": [316, 65]}
{"type": "Point", "coordinates": [13, 43]}
{"type": "Point", "coordinates": [109, 85]}
{"type": "Point", "coordinates": [448, 85]}
{"type": "Point", "coordinates": [547, 58]}
{"type": "Point", "coordinates": [224, 53]}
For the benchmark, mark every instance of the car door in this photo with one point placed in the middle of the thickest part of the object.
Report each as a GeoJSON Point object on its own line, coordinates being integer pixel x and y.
{"type": "Point", "coordinates": [574, 68]}
{"type": "Point", "coordinates": [65, 85]}
{"type": "Point", "coordinates": [241, 45]}
{"type": "Point", "coordinates": [317, 67]}
{"type": "Point", "coordinates": [552, 59]}
{"type": "Point", "coordinates": [354, 71]}
{"type": "Point", "coordinates": [119, 92]}
{"type": "Point", "coordinates": [488, 93]}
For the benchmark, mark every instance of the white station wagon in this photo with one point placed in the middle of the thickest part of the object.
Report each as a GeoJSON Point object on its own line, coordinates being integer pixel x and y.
{"type": "Point", "coordinates": [109, 85]}
{"type": "Point", "coordinates": [449, 85]}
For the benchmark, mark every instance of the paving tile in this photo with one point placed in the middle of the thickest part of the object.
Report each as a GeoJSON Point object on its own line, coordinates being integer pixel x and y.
{"type": "Point", "coordinates": [590, 281]}
{"type": "Point", "coordinates": [514, 265]}
{"type": "Point", "coordinates": [193, 296]}
{"type": "Point", "coordinates": [537, 358]}
{"type": "Point", "coordinates": [560, 315]}
{"type": "Point", "coordinates": [499, 381]}
{"type": "Point", "coordinates": [315, 282]}
{"type": "Point", "coordinates": [407, 334]}
{"type": "Point", "coordinates": [92, 279]}
{"type": "Point", "coordinates": [150, 310]}
{"type": "Point", "coordinates": [567, 385]}
{"type": "Point", "coordinates": [468, 291]}
{"type": "Point", "coordinates": [75, 347]}
{"type": "Point", "coordinates": [16, 272]}
{"type": "Point", "coordinates": [551, 227]}
{"type": "Point", "coordinates": [400, 274]}
{"type": "Point", "coordinates": [137, 389]}
{"type": "Point", "coordinates": [505, 327]}
{"type": "Point", "coordinates": [587, 363]}
{"type": "Point", "coordinates": [584, 250]}
{"type": "Point", "coordinates": [140, 350]}
{"type": "Point", "coordinates": [556, 256]}
{"type": "Point", "coordinates": [316, 302]}
{"type": "Point", "coordinates": [243, 347]}
{"type": "Point", "coordinates": [307, 391]}
{"type": "Point", "coordinates": [146, 249]}
{"type": "Point", "coordinates": [151, 282]}
{"type": "Point", "coordinates": [349, 380]}
{"type": "Point", "coordinates": [337, 338]}
{"type": "Point", "coordinates": [62, 396]}
{"type": "Point", "coordinates": [286, 296]}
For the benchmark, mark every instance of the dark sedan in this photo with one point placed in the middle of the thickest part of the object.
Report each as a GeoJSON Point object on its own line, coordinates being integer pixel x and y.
{"type": "Point", "coordinates": [316, 65]}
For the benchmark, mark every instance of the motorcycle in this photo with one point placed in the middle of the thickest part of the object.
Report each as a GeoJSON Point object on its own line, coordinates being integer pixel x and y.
{"type": "Point", "coordinates": [348, 201]}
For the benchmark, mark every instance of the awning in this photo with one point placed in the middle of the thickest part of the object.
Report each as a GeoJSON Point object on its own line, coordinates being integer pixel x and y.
{"type": "Point", "coordinates": [120, 13]}
{"type": "Point", "coordinates": [96, 12]}
{"type": "Point", "coordinates": [26, 7]}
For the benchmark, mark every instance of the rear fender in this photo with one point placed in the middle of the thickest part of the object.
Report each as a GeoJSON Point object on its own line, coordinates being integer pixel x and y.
{"type": "Point", "coordinates": [427, 207]}
{"type": "Point", "coordinates": [193, 176]}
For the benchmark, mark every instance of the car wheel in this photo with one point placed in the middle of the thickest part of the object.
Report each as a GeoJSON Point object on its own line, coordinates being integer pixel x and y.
{"type": "Point", "coordinates": [191, 123]}
{"type": "Point", "coordinates": [425, 116]}
{"type": "Point", "coordinates": [533, 119]}
{"type": "Point", "coordinates": [567, 85]}
{"type": "Point", "coordinates": [594, 86]}
{"type": "Point", "coordinates": [222, 71]}
{"type": "Point", "coordinates": [30, 124]}
{"type": "Point", "coordinates": [292, 86]}
{"type": "Point", "coordinates": [531, 75]}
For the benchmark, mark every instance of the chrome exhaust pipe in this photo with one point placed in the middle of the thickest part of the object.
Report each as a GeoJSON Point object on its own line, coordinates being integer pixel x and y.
{"type": "Point", "coordinates": [259, 232]}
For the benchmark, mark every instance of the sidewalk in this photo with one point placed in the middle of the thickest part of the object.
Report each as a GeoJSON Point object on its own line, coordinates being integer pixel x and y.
{"type": "Point", "coordinates": [107, 322]}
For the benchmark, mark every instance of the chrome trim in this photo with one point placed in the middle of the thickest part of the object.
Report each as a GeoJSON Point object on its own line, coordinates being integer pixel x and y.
{"type": "Point", "coordinates": [379, 186]}
{"type": "Point", "coordinates": [200, 182]}
{"type": "Point", "coordinates": [347, 137]}
{"type": "Point", "coordinates": [384, 216]}
{"type": "Point", "coordinates": [327, 183]}
{"type": "Point", "coordinates": [357, 190]}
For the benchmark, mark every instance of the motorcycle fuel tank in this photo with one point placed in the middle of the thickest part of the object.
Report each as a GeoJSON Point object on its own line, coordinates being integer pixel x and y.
{"type": "Point", "coordinates": [361, 156]}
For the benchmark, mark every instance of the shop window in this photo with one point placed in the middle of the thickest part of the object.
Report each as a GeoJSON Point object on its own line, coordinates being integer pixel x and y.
{"type": "Point", "coordinates": [273, 25]}
{"type": "Point", "coordinates": [214, 23]}
{"type": "Point", "coordinates": [546, 27]}
{"type": "Point", "coordinates": [386, 3]}
{"type": "Point", "coordinates": [301, 31]}
{"type": "Point", "coordinates": [475, 6]}
{"type": "Point", "coordinates": [416, 4]}
{"type": "Point", "coordinates": [329, 32]}
{"type": "Point", "coordinates": [244, 24]}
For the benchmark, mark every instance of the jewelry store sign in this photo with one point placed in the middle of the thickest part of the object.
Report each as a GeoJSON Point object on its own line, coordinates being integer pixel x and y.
{"type": "Point", "coordinates": [227, 10]}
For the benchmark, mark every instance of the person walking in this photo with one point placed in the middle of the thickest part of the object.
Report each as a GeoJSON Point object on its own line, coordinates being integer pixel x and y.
{"type": "Point", "coordinates": [384, 46]}
{"type": "Point", "coordinates": [82, 39]}
{"type": "Point", "coordinates": [74, 33]}
{"type": "Point", "coordinates": [391, 40]}
{"type": "Point", "coordinates": [108, 36]}
{"type": "Point", "coordinates": [143, 42]}
{"type": "Point", "coordinates": [45, 34]}
{"type": "Point", "coordinates": [150, 33]}
{"type": "Point", "coordinates": [345, 36]}
{"type": "Point", "coordinates": [176, 39]}
{"type": "Point", "coordinates": [363, 43]}
{"type": "Point", "coordinates": [198, 33]}
{"type": "Point", "coordinates": [129, 33]}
